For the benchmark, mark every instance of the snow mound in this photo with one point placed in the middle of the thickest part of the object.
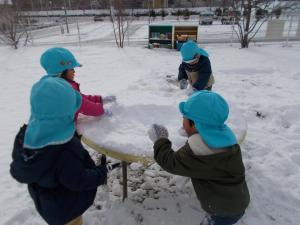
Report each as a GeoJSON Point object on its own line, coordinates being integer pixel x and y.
{"type": "Point", "coordinates": [126, 130]}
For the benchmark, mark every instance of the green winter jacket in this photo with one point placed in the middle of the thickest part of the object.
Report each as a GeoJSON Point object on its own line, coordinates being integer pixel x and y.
{"type": "Point", "coordinates": [218, 179]}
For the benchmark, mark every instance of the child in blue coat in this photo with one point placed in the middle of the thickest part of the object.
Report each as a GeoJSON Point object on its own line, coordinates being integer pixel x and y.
{"type": "Point", "coordinates": [195, 68]}
{"type": "Point", "coordinates": [48, 156]}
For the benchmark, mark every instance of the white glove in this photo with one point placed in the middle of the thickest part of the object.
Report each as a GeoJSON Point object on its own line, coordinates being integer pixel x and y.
{"type": "Point", "coordinates": [183, 83]}
{"type": "Point", "coordinates": [110, 98]}
{"type": "Point", "coordinates": [157, 131]}
{"type": "Point", "coordinates": [190, 91]}
{"type": "Point", "coordinates": [108, 112]}
{"type": "Point", "coordinates": [182, 132]}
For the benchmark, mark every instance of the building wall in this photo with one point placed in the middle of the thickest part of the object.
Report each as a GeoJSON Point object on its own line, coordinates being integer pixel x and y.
{"type": "Point", "coordinates": [156, 4]}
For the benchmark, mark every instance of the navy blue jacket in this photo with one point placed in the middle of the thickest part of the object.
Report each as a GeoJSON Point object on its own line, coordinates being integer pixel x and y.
{"type": "Point", "coordinates": [203, 68]}
{"type": "Point", "coordinates": [62, 179]}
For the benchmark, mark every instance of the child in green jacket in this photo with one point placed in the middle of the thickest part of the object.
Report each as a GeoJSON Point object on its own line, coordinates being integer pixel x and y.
{"type": "Point", "coordinates": [211, 158]}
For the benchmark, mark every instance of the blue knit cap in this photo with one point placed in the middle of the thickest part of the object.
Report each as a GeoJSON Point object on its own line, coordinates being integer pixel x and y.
{"type": "Point", "coordinates": [56, 60]}
{"type": "Point", "coordinates": [189, 50]}
{"type": "Point", "coordinates": [53, 105]}
{"type": "Point", "coordinates": [209, 111]}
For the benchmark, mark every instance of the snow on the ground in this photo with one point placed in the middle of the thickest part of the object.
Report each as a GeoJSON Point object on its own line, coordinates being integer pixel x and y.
{"type": "Point", "coordinates": [263, 82]}
{"type": "Point", "coordinates": [87, 31]}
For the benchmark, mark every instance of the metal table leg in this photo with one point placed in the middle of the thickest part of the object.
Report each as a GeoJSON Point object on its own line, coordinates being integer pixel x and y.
{"type": "Point", "coordinates": [124, 173]}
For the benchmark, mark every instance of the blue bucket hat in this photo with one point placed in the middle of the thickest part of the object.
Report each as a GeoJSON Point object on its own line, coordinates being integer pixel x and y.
{"type": "Point", "coordinates": [189, 50]}
{"type": "Point", "coordinates": [209, 111]}
{"type": "Point", "coordinates": [53, 104]}
{"type": "Point", "coordinates": [56, 60]}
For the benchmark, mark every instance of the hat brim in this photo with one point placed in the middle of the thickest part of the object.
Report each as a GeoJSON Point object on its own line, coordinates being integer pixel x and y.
{"type": "Point", "coordinates": [78, 64]}
{"type": "Point", "coordinates": [181, 108]}
{"type": "Point", "coordinates": [216, 136]}
{"type": "Point", "coordinates": [190, 61]}
{"type": "Point", "coordinates": [74, 65]}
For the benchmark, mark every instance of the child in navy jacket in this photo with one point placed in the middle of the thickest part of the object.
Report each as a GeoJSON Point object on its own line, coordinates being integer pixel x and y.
{"type": "Point", "coordinates": [48, 156]}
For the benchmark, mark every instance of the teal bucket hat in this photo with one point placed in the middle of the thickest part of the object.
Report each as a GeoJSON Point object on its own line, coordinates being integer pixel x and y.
{"type": "Point", "coordinates": [189, 50]}
{"type": "Point", "coordinates": [53, 105]}
{"type": "Point", "coordinates": [57, 60]}
{"type": "Point", "coordinates": [209, 111]}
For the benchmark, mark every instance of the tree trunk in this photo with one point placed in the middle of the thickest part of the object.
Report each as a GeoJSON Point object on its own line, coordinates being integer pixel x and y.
{"type": "Point", "coordinates": [245, 38]}
{"type": "Point", "coordinates": [245, 42]}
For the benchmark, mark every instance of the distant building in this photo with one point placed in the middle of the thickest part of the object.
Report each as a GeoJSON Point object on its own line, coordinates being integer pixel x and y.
{"type": "Point", "coordinates": [159, 4]}
{"type": "Point", "coordinates": [5, 2]}
{"type": "Point", "coordinates": [128, 4]}
{"type": "Point", "coordinates": [199, 3]}
{"type": "Point", "coordinates": [155, 4]}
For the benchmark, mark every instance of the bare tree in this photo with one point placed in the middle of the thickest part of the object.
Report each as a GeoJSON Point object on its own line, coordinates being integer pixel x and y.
{"type": "Point", "coordinates": [249, 16]}
{"type": "Point", "coordinates": [194, 2]}
{"type": "Point", "coordinates": [226, 3]}
{"type": "Point", "coordinates": [206, 3]}
{"type": "Point", "coordinates": [12, 25]}
{"type": "Point", "coordinates": [119, 20]}
{"type": "Point", "coordinates": [103, 4]}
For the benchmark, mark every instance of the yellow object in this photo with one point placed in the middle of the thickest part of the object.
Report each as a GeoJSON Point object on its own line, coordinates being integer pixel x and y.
{"type": "Point", "coordinates": [182, 37]}
{"type": "Point", "coordinates": [77, 221]}
{"type": "Point", "coordinates": [115, 154]}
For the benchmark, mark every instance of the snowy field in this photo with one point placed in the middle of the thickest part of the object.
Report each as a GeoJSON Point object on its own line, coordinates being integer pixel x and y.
{"type": "Point", "coordinates": [263, 82]}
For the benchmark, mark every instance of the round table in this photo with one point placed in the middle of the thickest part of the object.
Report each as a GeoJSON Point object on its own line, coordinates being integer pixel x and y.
{"type": "Point", "coordinates": [236, 122]}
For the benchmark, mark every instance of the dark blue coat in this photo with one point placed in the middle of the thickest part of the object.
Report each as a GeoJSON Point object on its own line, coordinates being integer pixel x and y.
{"type": "Point", "coordinates": [203, 68]}
{"type": "Point", "coordinates": [62, 179]}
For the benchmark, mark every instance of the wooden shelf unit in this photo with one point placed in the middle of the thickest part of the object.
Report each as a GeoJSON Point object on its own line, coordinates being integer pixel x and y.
{"type": "Point", "coordinates": [166, 35]}
{"type": "Point", "coordinates": [190, 31]}
{"type": "Point", "coordinates": [161, 35]}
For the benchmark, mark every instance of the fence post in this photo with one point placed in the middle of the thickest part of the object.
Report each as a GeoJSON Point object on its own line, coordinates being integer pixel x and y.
{"type": "Point", "coordinates": [232, 31]}
{"type": "Point", "coordinates": [289, 31]}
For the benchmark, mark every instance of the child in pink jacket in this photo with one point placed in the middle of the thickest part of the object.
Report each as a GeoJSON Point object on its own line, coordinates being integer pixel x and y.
{"type": "Point", "coordinates": [92, 105]}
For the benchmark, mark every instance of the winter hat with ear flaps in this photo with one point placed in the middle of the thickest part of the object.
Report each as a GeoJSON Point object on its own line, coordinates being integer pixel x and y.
{"type": "Point", "coordinates": [53, 105]}
{"type": "Point", "coordinates": [189, 50]}
{"type": "Point", "coordinates": [57, 60]}
{"type": "Point", "coordinates": [209, 111]}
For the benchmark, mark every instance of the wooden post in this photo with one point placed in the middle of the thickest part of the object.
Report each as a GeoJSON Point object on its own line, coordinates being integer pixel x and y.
{"type": "Point", "coordinates": [124, 173]}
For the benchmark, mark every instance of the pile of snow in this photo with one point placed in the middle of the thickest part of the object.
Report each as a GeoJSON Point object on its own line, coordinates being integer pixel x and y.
{"type": "Point", "coordinates": [263, 82]}
{"type": "Point", "coordinates": [126, 131]}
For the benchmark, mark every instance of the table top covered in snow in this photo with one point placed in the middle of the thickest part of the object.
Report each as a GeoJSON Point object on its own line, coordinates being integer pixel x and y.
{"type": "Point", "coordinates": [124, 135]}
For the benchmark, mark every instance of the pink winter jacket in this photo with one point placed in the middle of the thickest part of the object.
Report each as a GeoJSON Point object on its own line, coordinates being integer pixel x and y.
{"type": "Point", "coordinates": [91, 105]}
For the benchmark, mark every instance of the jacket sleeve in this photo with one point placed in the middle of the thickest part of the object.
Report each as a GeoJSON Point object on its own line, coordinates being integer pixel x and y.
{"type": "Point", "coordinates": [91, 108]}
{"type": "Point", "coordinates": [76, 175]}
{"type": "Point", "coordinates": [93, 98]}
{"type": "Point", "coordinates": [204, 73]}
{"type": "Point", "coordinates": [181, 73]}
{"type": "Point", "coordinates": [179, 162]}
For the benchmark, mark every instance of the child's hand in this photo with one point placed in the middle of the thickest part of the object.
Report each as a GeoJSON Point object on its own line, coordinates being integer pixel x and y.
{"type": "Point", "coordinates": [190, 91]}
{"type": "Point", "coordinates": [110, 98]}
{"type": "Point", "coordinates": [108, 113]}
{"type": "Point", "coordinates": [103, 160]}
{"type": "Point", "coordinates": [183, 84]}
{"type": "Point", "coordinates": [182, 132]}
{"type": "Point", "coordinates": [157, 131]}
{"type": "Point", "coordinates": [108, 166]}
